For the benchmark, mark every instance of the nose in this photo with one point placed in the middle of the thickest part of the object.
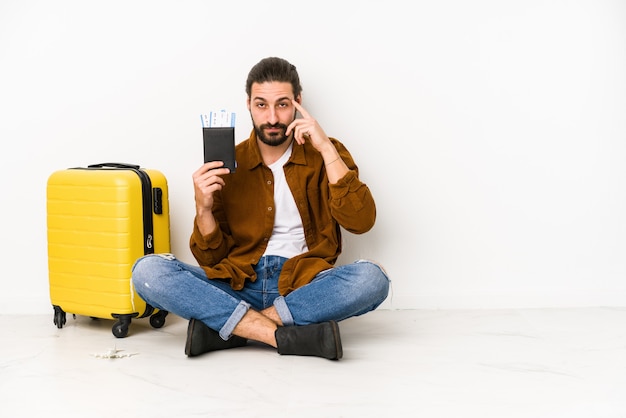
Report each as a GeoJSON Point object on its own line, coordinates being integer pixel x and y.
{"type": "Point", "coordinates": [272, 116]}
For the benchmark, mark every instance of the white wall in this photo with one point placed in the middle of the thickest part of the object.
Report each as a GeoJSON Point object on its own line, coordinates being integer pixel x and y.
{"type": "Point", "coordinates": [491, 133]}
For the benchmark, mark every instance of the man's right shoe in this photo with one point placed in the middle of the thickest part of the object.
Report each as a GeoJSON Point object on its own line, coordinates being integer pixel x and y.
{"type": "Point", "coordinates": [202, 339]}
{"type": "Point", "coordinates": [320, 340]}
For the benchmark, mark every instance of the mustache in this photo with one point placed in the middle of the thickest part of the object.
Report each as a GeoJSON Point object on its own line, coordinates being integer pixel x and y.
{"type": "Point", "coordinates": [275, 125]}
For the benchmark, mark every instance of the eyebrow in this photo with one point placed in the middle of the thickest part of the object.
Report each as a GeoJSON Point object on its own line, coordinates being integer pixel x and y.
{"type": "Point", "coordinates": [282, 99]}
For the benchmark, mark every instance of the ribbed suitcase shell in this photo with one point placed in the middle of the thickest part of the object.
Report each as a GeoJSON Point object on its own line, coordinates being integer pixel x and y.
{"type": "Point", "coordinates": [95, 220]}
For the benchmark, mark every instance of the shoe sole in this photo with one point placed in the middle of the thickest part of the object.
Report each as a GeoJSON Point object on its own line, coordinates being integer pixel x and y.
{"type": "Point", "coordinates": [338, 348]}
{"type": "Point", "coordinates": [190, 327]}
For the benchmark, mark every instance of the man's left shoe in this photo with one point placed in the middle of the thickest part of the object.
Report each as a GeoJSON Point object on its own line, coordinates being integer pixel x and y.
{"type": "Point", "coordinates": [202, 339]}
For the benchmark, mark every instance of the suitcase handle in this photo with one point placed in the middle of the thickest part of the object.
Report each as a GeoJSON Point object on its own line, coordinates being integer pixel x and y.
{"type": "Point", "coordinates": [114, 165]}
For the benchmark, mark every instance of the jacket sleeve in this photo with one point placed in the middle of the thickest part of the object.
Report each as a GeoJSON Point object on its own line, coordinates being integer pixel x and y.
{"type": "Point", "coordinates": [210, 249]}
{"type": "Point", "coordinates": [351, 201]}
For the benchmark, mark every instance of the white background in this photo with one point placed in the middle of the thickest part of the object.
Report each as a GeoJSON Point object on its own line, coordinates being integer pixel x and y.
{"type": "Point", "coordinates": [492, 134]}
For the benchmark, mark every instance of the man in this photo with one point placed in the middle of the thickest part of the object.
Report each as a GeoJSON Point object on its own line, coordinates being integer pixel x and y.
{"type": "Point", "coordinates": [267, 236]}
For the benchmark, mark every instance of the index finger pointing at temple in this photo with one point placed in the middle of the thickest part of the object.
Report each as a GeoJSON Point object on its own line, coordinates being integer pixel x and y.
{"type": "Point", "coordinates": [301, 109]}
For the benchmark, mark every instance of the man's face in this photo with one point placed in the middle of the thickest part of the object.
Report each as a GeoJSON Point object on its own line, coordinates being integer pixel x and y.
{"type": "Point", "coordinates": [271, 110]}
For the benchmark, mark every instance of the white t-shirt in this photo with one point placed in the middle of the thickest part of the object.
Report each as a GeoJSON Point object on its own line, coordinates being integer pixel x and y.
{"type": "Point", "coordinates": [287, 238]}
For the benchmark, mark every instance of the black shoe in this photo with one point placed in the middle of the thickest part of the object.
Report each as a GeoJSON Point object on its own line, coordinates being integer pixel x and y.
{"type": "Point", "coordinates": [202, 339]}
{"type": "Point", "coordinates": [320, 340]}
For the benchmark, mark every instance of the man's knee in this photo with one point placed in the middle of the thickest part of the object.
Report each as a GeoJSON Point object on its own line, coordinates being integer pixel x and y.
{"type": "Point", "coordinates": [149, 267]}
{"type": "Point", "coordinates": [151, 261]}
{"type": "Point", "coordinates": [373, 264]}
{"type": "Point", "coordinates": [376, 276]}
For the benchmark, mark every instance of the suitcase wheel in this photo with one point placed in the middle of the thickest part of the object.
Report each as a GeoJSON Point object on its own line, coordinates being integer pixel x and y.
{"type": "Point", "coordinates": [158, 319]}
{"type": "Point", "coordinates": [120, 327]}
{"type": "Point", "coordinates": [59, 316]}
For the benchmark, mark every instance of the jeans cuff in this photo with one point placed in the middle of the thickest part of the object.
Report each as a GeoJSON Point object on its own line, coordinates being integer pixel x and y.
{"type": "Point", "coordinates": [283, 311]}
{"type": "Point", "coordinates": [227, 330]}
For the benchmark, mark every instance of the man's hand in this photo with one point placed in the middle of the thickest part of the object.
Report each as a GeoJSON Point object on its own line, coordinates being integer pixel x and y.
{"type": "Point", "coordinates": [307, 129]}
{"type": "Point", "coordinates": [206, 180]}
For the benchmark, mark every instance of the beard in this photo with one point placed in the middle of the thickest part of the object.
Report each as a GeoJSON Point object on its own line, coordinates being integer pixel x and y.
{"type": "Point", "coordinates": [273, 139]}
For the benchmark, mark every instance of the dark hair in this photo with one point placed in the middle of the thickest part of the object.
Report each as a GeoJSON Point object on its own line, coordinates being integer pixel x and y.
{"type": "Point", "coordinates": [274, 69]}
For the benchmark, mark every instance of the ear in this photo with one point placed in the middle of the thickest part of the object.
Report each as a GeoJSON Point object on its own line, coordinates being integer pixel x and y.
{"type": "Point", "coordinates": [248, 103]}
{"type": "Point", "coordinates": [299, 98]}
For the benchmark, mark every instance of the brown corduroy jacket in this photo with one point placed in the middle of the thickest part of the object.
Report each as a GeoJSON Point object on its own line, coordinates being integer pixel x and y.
{"type": "Point", "coordinates": [244, 210]}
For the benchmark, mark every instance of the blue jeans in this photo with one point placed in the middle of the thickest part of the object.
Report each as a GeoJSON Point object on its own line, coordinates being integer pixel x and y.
{"type": "Point", "coordinates": [183, 289]}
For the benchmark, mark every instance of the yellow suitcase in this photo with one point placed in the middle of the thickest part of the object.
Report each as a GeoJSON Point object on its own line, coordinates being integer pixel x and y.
{"type": "Point", "coordinates": [100, 219]}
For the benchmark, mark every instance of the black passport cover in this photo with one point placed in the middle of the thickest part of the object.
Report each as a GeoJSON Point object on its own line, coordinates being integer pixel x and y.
{"type": "Point", "coordinates": [219, 145]}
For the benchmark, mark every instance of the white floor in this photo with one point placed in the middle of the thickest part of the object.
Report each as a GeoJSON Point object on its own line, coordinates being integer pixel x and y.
{"type": "Point", "coordinates": [416, 363]}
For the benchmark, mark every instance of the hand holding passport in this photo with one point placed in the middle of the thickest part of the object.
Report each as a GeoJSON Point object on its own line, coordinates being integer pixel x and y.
{"type": "Point", "coordinates": [218, 134]}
